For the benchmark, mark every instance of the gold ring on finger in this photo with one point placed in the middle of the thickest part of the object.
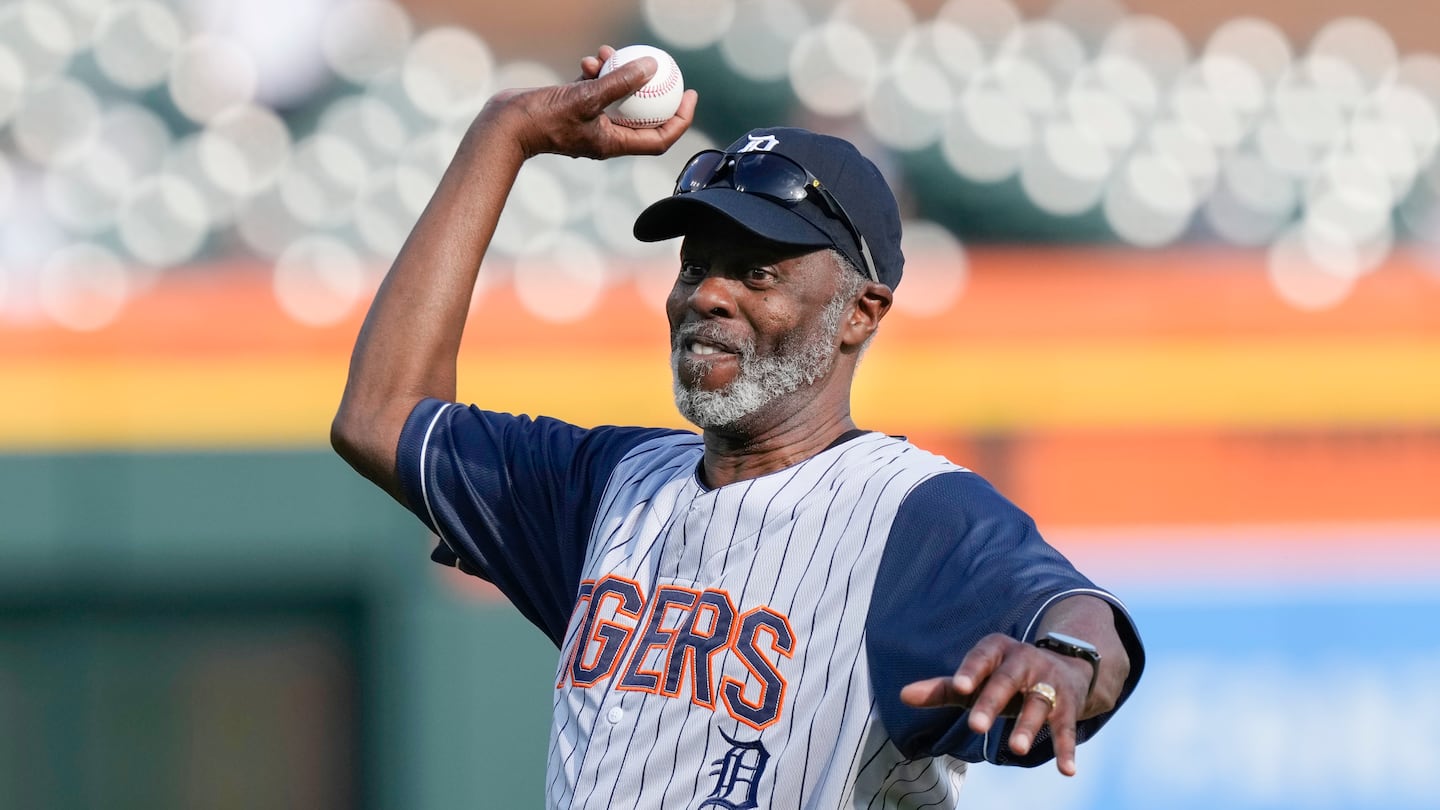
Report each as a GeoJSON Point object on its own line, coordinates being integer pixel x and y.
{"type": "Point", "coordinates": [1045, 691]}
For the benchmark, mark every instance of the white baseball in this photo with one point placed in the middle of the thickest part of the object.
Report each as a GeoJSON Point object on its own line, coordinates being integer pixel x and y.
{"type": "Point", "coordinates": [653, 104]}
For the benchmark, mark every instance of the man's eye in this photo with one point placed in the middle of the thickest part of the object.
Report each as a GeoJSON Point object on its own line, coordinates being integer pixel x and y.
{"type": "Point", "coordinates": [691, 272]}
{"type": "Point", "coordinates": [757, 274]}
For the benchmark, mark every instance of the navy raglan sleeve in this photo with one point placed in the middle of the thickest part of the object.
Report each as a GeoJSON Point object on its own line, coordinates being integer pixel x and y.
{"type": "Point", "coordinates": [963, 562]}
{"type": "Point", "coordinates": [511, 498]}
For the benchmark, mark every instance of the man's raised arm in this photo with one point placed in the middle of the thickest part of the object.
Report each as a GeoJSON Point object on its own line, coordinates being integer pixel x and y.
{"type": "Point", "coordinates": [408, 345]}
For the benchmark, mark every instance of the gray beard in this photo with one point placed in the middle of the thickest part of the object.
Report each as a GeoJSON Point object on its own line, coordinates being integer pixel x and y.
{"type": "Point", "coordinates": [761, 380]}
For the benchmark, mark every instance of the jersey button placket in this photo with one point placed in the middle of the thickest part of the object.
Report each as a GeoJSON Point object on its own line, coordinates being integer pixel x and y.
{"type": "Point", "coordinates": [615, 715]}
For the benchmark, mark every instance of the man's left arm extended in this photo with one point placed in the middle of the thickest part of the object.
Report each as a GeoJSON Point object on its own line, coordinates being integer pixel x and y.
{"type": "Point", "coordinates": [997, 675]}
{"type": "Point", "coordinates": [966, 588]}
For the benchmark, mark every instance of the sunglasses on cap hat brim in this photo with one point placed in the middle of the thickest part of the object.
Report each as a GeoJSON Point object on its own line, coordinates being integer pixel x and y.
{"type": "Point", "coordinates": [774, 177]}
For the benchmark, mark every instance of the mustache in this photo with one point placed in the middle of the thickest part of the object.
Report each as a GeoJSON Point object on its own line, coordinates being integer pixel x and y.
{"type": "Point", "coordinates": [711, 332]}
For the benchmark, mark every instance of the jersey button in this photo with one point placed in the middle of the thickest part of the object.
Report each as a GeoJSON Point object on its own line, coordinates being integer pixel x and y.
{"type": "Point", "coordinates": [615, 715]}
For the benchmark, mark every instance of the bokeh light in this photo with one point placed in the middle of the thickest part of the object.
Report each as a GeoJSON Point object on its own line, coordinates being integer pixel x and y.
{"type": "Point", "coordinates": [1152, 42]}
{"type": "Point", "coordinates": [687, 24]}
{"type": "Point", "coordinates": [83, 287]}
{"type": "Point", "coordinates": [1125, 79]}
{"type": "Point", "coordinates": [421, 163]}
{"type": "Point", "coordinates": [139, 135]}
{"type": "Point", "coordinates": [833, 68]}
{"type": "Point", "coordinates": [1300, 280]}
{"type": "Point", "coordinates": [279, 37]}
{"type": "Point", "coordinates": [446, 73]}
{"type": "Point", "coordinates": [1151, 200]}
{"type": "Point", "coordinates": [85, 194]}
{"type": "Point", "coordinates": [908, 108]}
{"type": "Point", "coordinates": [136, 41]}
{"type": "Point", "coordinates": [990, 22]}
{"type": "Point", "coordinates": [1208, 110]}
{"type": "Point", "coordinates": [559, 277]}
{"type": "Point", "coordinates": [936, 270]}
{"type": "Point", "coordinates": [986, 134]}
{"type": "Point", "coordinates": [162, 221]}
{"type": "Point", "coordinates": [1089, 19]}
{"type": "Point", "coordinates": [535, 211]}
{"type": "Point", "coordinates": [886, 23]}
{"type": "Point", "coordinates": [322, 180]}
{"type": "Point", "coordinates": [1046, 44]}
{"type": "Point", "coordinates": [382, 219]}
{"type": "Point", "coordinates": [1065, 174]}
{"type": "Point", "coordinates": [525, 73]}
{"type": "Point", "coordinates": [39, 35]}
{"type": "Point", "coordinates": [955, 49]}
{"type": "Point", "coordinates": [58, 119]}
{"type": "Point", "coordinates": [209, 75]}
{"type": "Point", "coordinates": [1359, 44]}
{"type": "Point", "coordinates": [1258, 43]}
{"type": "Point", "coordinates": [319, 280]}
{"type": "Point", "coordinates": [185, 161]}
{"type": "Point", "coordinates": [1329, 144]}
{"type": "Point", "coordinates": [7, 186]}
{"type": "Point", "coordinates": [266, 225]}
{"type": "Point", "coordinates": [1252, 201]}
{"type": "Point", "coordinates": [1421, 72]}
{"type": "Point", "coordinates": [757, 44]}
{"type": "Point", "coordinates": [1101, 116]}
{"type": "Point", "coordinates": [244, 148]}
{"type": "Point", "coordinates": [365, 38]}
{"type": "Point", "coordinates": [1187, 147]}
{"type": "Point", "coordinates": [12, 84]}
{"type": "Point", "coordinates": [369, 124]}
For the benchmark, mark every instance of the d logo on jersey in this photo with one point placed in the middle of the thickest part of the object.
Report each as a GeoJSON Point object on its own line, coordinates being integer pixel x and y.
{"type": "Point", "coordinates": [679, 641]}
{"type": "Point", "coordinates": [737, 776]}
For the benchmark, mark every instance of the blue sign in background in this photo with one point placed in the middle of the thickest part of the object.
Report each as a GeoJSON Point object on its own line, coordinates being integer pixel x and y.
{"type": "Point", "coordinates": [1315, 697]}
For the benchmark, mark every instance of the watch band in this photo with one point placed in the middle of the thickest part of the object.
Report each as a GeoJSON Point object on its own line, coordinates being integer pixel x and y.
{"type": "Point", "coordinates": [1073, 648]}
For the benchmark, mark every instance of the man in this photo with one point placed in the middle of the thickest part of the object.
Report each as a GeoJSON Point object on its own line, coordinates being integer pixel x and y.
{"type": "Point", "coordinates": [785, 611]}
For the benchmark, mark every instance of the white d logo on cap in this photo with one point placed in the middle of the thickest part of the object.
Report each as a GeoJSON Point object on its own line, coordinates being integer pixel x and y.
{"type": "Point", "coordinates": [760, 143]}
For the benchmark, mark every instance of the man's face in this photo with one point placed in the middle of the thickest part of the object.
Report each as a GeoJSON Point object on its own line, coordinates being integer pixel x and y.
{"type": "Point", "coordinates": [750, 323]}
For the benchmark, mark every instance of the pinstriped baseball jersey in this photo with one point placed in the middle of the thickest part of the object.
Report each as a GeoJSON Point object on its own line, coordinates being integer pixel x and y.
{"type": "Point", "coordinates": [744, 646]}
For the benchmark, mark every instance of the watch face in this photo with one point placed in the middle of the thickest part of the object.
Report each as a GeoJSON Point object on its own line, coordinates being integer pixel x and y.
{"type": "Point", "coordinates": [1071, 641]}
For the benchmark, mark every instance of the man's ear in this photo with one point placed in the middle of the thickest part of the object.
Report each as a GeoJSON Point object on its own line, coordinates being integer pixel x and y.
{"type": "Point", "coordinates": [865, 316]}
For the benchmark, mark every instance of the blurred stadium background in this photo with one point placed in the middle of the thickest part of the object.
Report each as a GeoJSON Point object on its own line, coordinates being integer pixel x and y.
{"type": "Point", "coordinates": [1173, 285]}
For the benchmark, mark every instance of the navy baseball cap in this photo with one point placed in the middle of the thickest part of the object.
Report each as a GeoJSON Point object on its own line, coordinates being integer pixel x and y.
{"type": "Point", "coordinates": [849, 176]}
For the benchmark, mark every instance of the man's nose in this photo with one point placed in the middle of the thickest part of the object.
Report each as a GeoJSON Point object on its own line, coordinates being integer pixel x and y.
{"type": "Point", "coordinates": [713, 296]}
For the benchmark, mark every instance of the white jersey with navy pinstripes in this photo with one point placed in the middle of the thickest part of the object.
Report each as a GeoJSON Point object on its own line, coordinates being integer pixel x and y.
{"type": "Point", "coordinates": [743, 646]}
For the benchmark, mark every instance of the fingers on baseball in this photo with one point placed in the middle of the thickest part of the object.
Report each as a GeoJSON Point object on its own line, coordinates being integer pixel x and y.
{"type": "Point", "coordinates": [656, 140]}
{"type": "Point", "coordinates": [679, 122]}
{"type": "Point", "coordinates": [637, 72]}
{"type": "Point", "coordinates": [594, 96]}
{"type": "Point", "coordinates": [590, 65]}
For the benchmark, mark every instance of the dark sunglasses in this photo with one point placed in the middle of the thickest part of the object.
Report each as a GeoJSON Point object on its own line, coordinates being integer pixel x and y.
{"type": "Point", "coordinates": [772, 176]}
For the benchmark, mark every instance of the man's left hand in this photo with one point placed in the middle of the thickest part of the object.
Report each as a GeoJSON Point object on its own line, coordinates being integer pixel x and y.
{"type": "Point", "coordinates": [998, 679]}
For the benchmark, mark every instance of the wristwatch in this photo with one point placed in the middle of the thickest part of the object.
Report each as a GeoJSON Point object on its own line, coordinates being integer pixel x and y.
{"type": "Point", "coordinates": [1074, 648]}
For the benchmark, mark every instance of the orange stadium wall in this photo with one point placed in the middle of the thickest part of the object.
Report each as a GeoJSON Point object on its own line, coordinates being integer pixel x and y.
{"type": "Point", "coordinates": [1097, 386]}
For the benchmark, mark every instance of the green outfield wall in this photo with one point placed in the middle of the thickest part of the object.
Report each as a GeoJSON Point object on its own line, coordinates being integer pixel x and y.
{"type": "Point", "coordinates": [246, 630]}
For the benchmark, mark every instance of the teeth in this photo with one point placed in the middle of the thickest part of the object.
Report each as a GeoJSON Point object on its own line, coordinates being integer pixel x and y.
{"type": "Point", "coordinates": [703, 349]}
